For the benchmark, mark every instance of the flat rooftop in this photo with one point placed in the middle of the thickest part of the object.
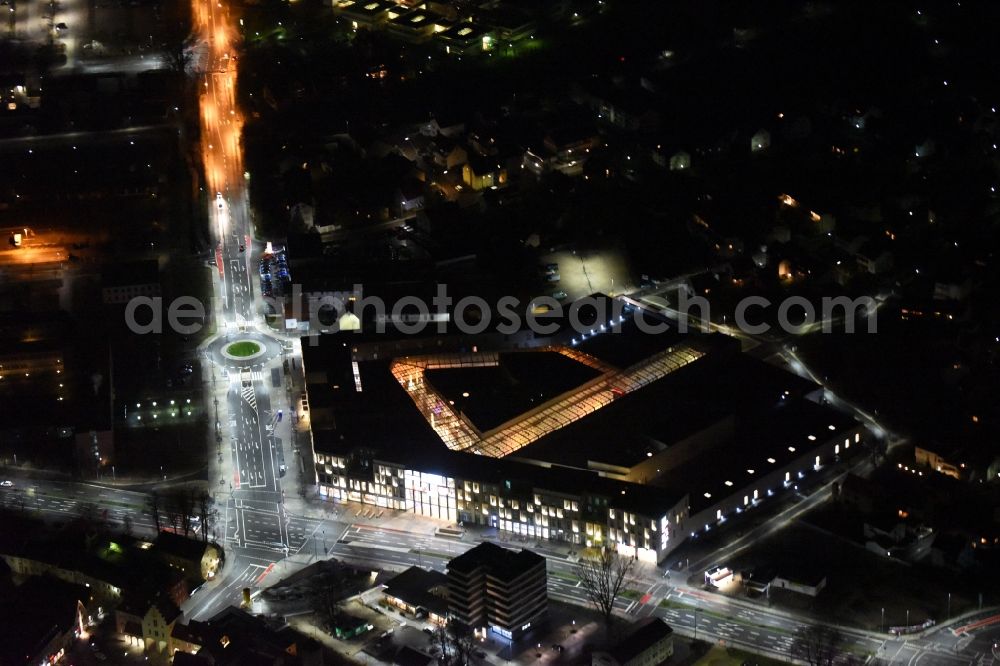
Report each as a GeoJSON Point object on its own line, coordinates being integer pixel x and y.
{"type": "Point", "coordinates": [697, 396]}
{"type": "Point", "coordinates": [350, 377]}
{"type": "Point", "coordinates": [464, 33]}
{"type": "Point", "coordinates": [760, 442]}
{"type": "Point", "coordinates": [615, 399]}
{"type": "Point", "coordinates": [503, 563]}
{"type": "Point", "coordinates": [521, 381]}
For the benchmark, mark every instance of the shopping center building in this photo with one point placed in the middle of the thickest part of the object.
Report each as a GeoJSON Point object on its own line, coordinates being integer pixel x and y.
{"type": "Point", "coordinates": [618, 437]}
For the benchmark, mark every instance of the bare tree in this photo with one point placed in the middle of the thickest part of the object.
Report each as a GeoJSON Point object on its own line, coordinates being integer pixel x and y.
{"type": "Point", "coordinates": [462, 640]}
{"type": "Point", "coordinates": [127, 525]}
{"type": "Point", "coordinates": [153, 505]}
{"type": "Point", "coordinates": [206, 513]}
{"type": "Point", "coordinates": [604, 578]}
{"type": "Point", "coordinates": [441, 637]}
{"type": "Point", "coordinates": [179, 508]}
{"type": "Point", "coordinates": [818, 645]}
{"type": "Point", "coordinates": [177, 47]}
{"type": "Point", "coordinates": [328, 595]}
{"type": "Point", "coordinates": [457, 642]}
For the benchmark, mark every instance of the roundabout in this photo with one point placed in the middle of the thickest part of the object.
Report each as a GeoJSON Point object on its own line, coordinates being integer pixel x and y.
{"type": "Point", "coordinates": [242, 349]}
{"type": "Point", "coordinates": [249, 348]}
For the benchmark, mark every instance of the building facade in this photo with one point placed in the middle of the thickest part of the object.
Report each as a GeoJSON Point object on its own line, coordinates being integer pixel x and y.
{"type": "Point", "coordinates": [580, 517]}
{"type": "Point", "coordinates": [499, 589]}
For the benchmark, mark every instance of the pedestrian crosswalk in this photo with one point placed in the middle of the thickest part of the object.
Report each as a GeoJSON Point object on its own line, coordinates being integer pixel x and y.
{"type": "Point", "coordinates": [250, 396]}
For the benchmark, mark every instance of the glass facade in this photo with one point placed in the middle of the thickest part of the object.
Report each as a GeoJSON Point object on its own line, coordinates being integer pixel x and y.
{"type": "Point", "coordinates": [584, 520]}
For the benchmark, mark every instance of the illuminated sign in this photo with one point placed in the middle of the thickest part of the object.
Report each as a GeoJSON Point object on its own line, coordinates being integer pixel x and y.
{"type": "Point", "coordinates": [503, 632]}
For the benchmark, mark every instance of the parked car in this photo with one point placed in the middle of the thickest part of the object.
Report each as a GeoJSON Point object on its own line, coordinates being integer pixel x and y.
{"type": "Point", "coordinates": [560, 295]}
{"type": "Point", "coordinates": [554, 277]}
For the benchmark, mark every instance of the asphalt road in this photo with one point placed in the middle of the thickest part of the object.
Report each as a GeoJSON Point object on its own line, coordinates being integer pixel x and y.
{"type": "Point", "coordinates": [257, 563]}
{"type": "Point", "coordinates": [256, 527]}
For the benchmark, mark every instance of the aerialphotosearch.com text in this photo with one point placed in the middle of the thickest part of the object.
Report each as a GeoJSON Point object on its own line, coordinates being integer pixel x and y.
{"type": "Point", "coordinates": [543, 315]}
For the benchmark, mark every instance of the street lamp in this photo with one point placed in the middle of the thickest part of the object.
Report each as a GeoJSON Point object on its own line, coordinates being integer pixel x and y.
{"type": "Point", "coordinates": [907, 618]}
{"type": "Point", "coordinates": [882, 629]}
{"type": "Point", "coordinates": [949, 605]}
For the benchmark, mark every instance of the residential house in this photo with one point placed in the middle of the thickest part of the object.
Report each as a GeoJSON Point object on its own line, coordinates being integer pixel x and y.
{"type": "Point", "coordinates": [649, 642]}
{"type": "Point", "coordinates": [420, 592]}
{"type": "Point", "coordinates": [482, 173]}
{"type": "Point", "coordinates": [149, 624]}
{"type": "Point", "coordinates": [447, 154]}
{"type": "Point", "coordinates": [235, 637]}
{"type": "Point", "coordinates": [111, 569]}
{"type": "Point", "coordinates": [410, 195]}
{"type": "Point", "coordinates": [571, 142]}
{"type": "Point", "coordinates": [196, 559]}
{"type": "Point", "coordinates": [671, 157]}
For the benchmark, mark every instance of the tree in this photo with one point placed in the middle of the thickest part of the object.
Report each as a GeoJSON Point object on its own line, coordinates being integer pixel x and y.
{"type": "Point", "coordinates": [127, 525]}
{"type": "Point", "coordinates": [441, 636]}
{"type": "Point", "coordinates": [153, 505]}
{"type": "Point", "coordinates": [180, 507]}
{"type": "Point", "coordinates": [177, 47]}
{"type": "Point", "coordinates": [328, 595]}
{"type": "Point", "coordinates": [206, 513]}
{"type": "Point", "coordinates": [604, 578]}
{"type": "Point", "coordinates": [818, 645]}
{"type": "Point", "coordinates": [457, 642]}
{"type": "Point", "coordinates": [461, 638]}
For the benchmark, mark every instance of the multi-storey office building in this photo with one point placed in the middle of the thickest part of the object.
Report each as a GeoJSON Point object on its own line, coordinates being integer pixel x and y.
{"type": "Point", "coordinates": [498, 588]}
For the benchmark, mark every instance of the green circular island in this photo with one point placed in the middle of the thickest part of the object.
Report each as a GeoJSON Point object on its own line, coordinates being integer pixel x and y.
{"type": "Point", "coordinates": [243, 349]}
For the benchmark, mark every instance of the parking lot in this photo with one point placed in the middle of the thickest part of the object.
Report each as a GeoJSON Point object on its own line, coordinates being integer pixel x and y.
{"type": "Point", "coordinates": [585, 272]}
